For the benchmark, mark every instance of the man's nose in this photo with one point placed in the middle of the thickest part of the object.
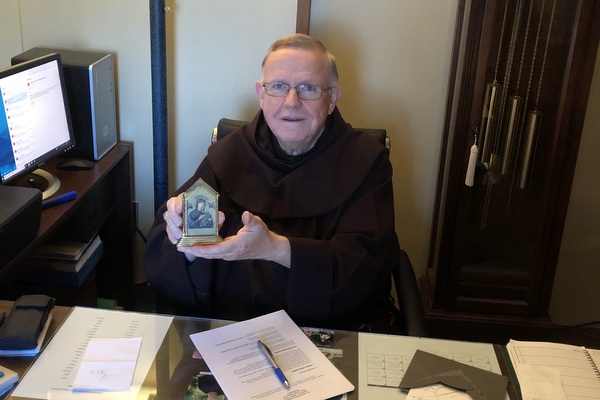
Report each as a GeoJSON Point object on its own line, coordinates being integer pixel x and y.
{"type": "Point", "coordinates": [293, 99]}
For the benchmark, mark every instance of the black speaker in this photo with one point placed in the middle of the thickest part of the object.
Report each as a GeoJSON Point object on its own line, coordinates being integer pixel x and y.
{"type": "Point", "coordinates": [20, 215]}
{"type": "Point", "coordinates": [89, 77]}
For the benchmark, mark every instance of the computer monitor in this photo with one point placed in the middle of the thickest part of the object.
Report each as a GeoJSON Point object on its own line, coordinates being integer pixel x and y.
{"type": "Point", "coordinates": [35, 123]}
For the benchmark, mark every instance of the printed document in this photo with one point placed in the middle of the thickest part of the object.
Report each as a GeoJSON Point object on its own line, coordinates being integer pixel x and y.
{"type": "Point", "coordinates": [241, 369]}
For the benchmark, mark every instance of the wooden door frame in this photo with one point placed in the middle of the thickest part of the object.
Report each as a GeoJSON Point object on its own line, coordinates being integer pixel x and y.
{"type": "Point", "coordinates": [303, 16]}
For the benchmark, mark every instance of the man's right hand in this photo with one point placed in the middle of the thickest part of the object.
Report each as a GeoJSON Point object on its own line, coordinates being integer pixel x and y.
{"type": "Point", "coordinates": [174, 219]}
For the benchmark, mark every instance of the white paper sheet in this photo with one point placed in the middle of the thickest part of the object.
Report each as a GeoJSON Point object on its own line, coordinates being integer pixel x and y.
{"type": "Point", "coordinates": [540, 383]}
{"type": "Point", "coordinates": [108, 365]}
{"type": "Point", "coordinates": [53, 373]}
{"type": "Point", "coordinates": [232, 354]}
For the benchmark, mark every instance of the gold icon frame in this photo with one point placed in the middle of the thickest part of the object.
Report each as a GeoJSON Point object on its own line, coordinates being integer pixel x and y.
{"type": "Point", "coordinates": [200, 215]}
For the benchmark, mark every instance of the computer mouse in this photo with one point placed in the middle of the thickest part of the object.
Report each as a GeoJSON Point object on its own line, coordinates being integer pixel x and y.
{"type": "Point", "coordinates": [75, 164]}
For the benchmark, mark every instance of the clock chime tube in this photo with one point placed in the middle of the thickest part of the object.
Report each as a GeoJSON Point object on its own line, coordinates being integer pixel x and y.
{"type": "Point", "coordinates": [534, 119]}
{"type": "Point", "coordinates": [514, 118]}
{"type": "Point", "coordinates": [488, 120]}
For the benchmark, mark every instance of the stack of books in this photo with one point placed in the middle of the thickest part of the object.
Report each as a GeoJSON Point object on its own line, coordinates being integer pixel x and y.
{"type": "Point", "coordinates": [62, 262]}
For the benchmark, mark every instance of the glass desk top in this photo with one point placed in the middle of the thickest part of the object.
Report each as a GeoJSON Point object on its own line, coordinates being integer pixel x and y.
{"type": "Point", "coordinates": [175, 365]}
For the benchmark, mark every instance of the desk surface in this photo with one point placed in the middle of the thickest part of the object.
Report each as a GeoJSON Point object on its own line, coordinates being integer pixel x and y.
{"type": "Point", "coordinates": [174, 366]}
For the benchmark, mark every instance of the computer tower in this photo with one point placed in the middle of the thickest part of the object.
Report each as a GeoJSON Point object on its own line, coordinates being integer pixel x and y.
{"type": "Point", "coordinates": [89, 77]}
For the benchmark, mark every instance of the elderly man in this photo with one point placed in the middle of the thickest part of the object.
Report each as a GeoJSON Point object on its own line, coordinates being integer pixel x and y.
{"type": "Point", "coordinates": [306, 210]}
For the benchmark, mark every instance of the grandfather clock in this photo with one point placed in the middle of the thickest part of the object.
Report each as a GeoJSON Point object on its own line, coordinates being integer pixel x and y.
{"type": "Point", "coordinates": [520, 79]}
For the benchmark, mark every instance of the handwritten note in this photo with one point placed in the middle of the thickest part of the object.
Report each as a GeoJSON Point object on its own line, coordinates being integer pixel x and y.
{"type": "Point", "coordinates": [108, 365]}
{"type": "Point", "coordinates": [435, 392]}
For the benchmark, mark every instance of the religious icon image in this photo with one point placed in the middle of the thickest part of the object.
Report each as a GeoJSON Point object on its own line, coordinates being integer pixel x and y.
{"type": "Point", "coordinates": [200, 215]}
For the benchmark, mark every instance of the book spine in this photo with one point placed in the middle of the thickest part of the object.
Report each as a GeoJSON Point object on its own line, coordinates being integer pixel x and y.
{"type": "Point", "coordinates": [61, 277]}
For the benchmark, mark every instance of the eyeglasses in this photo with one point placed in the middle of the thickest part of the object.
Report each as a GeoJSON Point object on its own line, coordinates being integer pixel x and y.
{"type": "Point", "coordinates": [305, 91]}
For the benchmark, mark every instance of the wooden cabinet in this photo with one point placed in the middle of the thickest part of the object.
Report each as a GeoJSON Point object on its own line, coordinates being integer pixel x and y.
{"type": "Point", "coordinates": [103, 206]}
{"type": "Point", "coordinates": [520, 80]}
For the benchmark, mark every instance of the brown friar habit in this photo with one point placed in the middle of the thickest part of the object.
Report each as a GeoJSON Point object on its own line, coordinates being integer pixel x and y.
{"type": "Point", "coordinates": [335, 205]}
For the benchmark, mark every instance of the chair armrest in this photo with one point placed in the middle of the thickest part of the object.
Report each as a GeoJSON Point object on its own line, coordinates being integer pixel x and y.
{"type": "Point", "coordinates": [409, 297]}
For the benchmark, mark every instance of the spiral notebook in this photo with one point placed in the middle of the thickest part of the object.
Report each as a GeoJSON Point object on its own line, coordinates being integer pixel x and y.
{"type": "Point", "coordinates": [579, 367]}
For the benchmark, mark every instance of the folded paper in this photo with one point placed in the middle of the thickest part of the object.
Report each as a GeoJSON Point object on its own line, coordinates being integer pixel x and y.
{"type": "Point", "coordinates": [108, 365]}
{"type": "Point", "coordinates": [428, 369]}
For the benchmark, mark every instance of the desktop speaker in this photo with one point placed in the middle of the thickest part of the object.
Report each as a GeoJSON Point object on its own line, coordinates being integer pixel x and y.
{"type": "Point", "coordinates": [89, 77]}
{"type": "Point", "coordinates": [20, 215]}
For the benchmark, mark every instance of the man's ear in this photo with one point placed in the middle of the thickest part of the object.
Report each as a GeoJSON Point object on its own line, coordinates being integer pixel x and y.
{"type": "Point", "coordinates": [334, 95]}
{"type": "Point", "coordinates": [260, 91]}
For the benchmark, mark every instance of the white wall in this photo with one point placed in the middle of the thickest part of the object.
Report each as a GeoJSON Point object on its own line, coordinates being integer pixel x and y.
{"type": "Point", "coordinates": [215, 50]}
{"type": "Point", "coordinates": [575, 297]}
{"type": "Point", "coordinates": [10, 29]}
{"type": "Point", "coordinates": [394, 58]}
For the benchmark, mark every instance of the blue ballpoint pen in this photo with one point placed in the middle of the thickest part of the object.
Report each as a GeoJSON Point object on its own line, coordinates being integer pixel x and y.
{"type": "Point", "coordinates": [269, 356]}
{"type": "Point", "coordinates": [63, 198]}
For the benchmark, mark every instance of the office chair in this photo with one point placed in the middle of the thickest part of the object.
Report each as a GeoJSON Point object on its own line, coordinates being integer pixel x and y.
{"type": "Point", "coordinates": [409, 314]}
{"type": "Point", "coordinates": [411, 318]}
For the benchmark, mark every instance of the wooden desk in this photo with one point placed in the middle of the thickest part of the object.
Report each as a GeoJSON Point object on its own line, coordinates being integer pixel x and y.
{"type": "Point", "coordinates": [174, 367]}
{"type": "Point", "coordinates": [103, 205]}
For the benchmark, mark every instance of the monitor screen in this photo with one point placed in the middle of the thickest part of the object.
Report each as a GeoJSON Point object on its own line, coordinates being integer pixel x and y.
{"type": "Point", "coordinates": [35, 124]}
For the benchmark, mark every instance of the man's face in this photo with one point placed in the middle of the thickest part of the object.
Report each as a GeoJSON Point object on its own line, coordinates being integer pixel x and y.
{"type": "Point", "coordinates": [297, 123]}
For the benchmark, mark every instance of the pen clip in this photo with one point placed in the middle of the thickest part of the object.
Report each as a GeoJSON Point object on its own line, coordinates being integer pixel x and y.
{"type": "Point", "coordinates": [267, 352]}
{"type": "Point", "coordinates": [269, 356]}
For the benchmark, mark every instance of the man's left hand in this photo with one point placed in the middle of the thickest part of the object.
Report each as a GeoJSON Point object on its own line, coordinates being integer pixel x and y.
{"type": "Point", "coordinates": [253, 241]}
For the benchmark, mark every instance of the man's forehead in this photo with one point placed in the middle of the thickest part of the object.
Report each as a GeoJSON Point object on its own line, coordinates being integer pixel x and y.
{"type": "Point", "coordinates": [295, 61]}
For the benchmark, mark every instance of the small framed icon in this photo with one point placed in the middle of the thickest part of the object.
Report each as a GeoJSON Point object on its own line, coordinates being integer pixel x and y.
{"type": "Point", "coordinates": [200, 215]}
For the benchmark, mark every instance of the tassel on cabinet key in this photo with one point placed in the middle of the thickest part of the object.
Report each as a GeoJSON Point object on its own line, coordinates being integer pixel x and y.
{"type": "Point", "coordinates": [470, 177]}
